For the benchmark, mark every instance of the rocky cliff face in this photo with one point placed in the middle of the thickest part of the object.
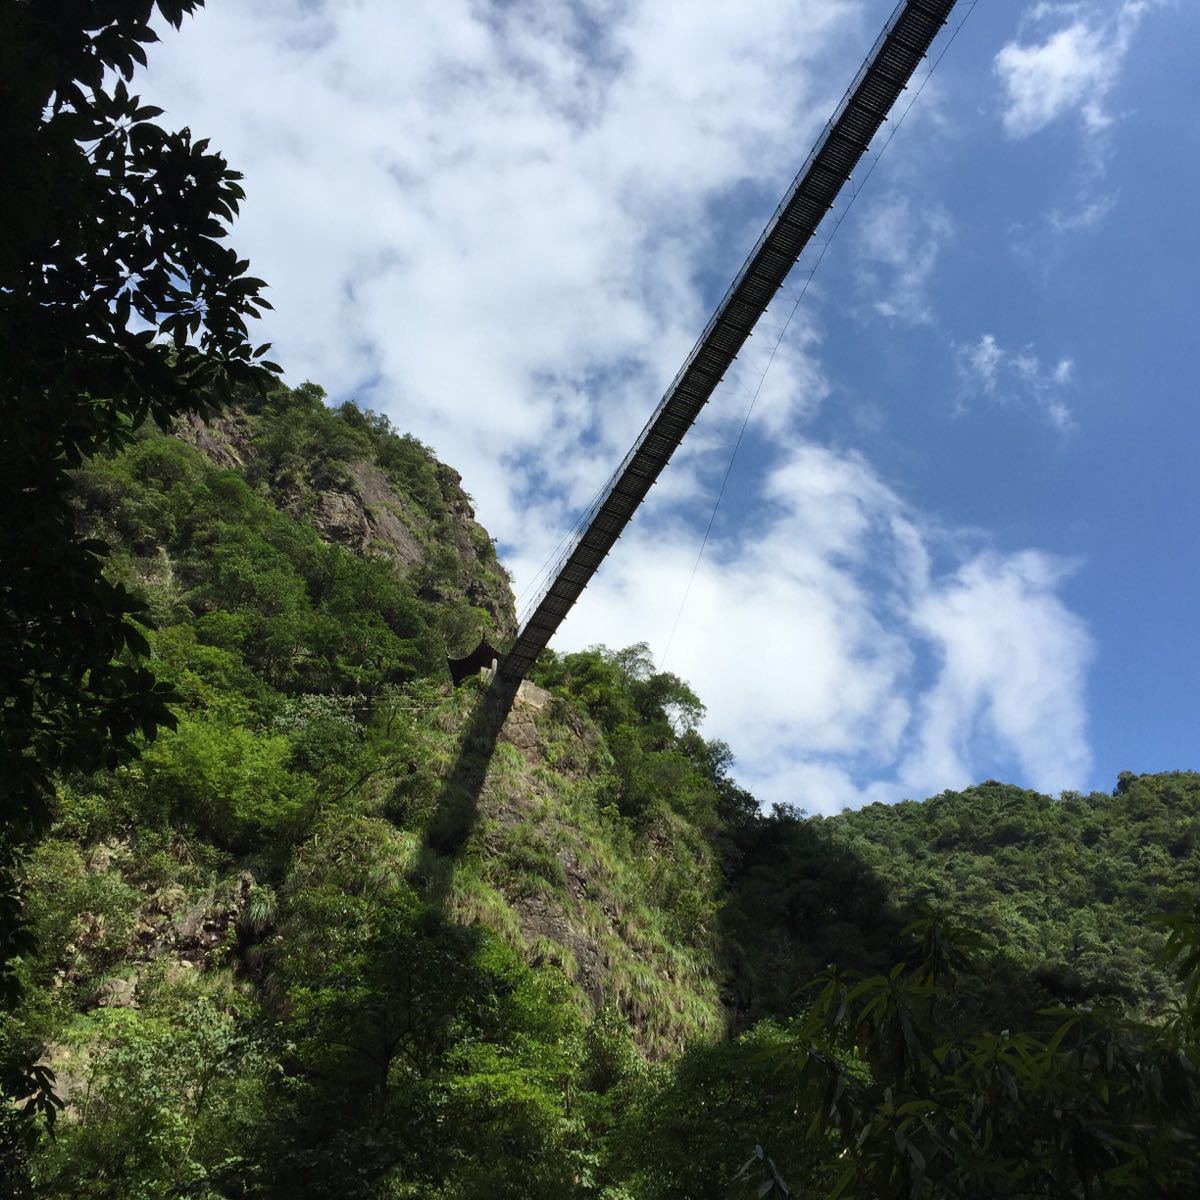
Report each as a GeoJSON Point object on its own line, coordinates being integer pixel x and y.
{"type": "Point", "coordinates": [543, 859]}
{"type": "Point", "coordinates": [226, 438]}
{"type": "Point", "coordinates": [366, 507]}
{"type": "Point", "coordinates": [287, 713]}
{"type": "Point", "coordinates": [548, 861]}
{"type": "Point", "coordinates": [364, 515]}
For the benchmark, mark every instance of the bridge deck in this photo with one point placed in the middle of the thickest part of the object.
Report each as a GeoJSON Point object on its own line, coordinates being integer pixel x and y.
{"type": "Point", "coordinates": [883, 76]}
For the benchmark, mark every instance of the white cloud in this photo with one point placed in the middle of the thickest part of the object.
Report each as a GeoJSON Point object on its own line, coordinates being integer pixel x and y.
{"type": "Point", "coordinates": [499, 223]}
{"type": "Point", "coordinates": [489, 220]}
{"type": "Point", "coordinates": [897, 251]}
{"type": "Point", "coordinates": [1072, 69]}
{"type": "Point", "coordinates": [1013, 659]}
{"type": "Point", "coordinates": [1071, 65]}
{"type": "Point", "coordinates": [986, 368]}
{"type": "Point", "coordinates": [983, 362]}
{"type": "Point", "coordinates": [1088, 213]}
{"type": "Point", "coordinates": [840, 663]}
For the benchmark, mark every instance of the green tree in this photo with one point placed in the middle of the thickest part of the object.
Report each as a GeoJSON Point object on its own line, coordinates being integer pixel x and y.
{"type": "Point", "coordinates": [691, 1135]}
{"type": "Point", "coordinates": [119, 303]}
{"type": "Point", "coordinates": [1083, 1104]}
{"type": "Point", "coordinates": [426, 1058]}
{"type": "Point", "coordinates": [170, 1091]}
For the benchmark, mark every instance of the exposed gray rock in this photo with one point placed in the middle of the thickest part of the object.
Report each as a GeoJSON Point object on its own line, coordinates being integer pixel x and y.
{"type": "Point", "coordinates": [225, 439]}
{"type": "Point", "coordinates": [118, 992]}
{"type": "Point", "coordinates": [360, 509]}
{"type": "Point", "coordinates": [106, 855]}
{"type": "Point", "coordinates": [365, 516]}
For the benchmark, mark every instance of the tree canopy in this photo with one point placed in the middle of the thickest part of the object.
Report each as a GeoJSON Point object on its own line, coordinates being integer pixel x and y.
{"type": "Point", "coordinates": [251, 961]}
{"type": "Point", "coordinates": [119, 303]}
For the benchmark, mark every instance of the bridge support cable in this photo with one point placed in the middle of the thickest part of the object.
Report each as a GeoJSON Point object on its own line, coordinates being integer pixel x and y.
{"type": "Point", "coordinates": [897, 52]}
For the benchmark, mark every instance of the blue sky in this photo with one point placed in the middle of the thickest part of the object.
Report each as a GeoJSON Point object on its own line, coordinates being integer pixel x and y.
{"type": "Point", "coordinates": [955, 543]}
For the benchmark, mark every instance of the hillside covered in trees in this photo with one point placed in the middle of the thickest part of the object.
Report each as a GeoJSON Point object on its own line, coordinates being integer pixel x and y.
{"type": "Point", "coordinates": [281, 954]}
{"type": "Point", "coordinates": [283, 913]}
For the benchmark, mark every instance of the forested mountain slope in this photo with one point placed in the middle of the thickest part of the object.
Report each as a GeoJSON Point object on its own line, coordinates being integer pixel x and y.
{"type": "Point", "coordinates": [317, 940]}
{"type": "Point", "coordinates": [1067, 888]}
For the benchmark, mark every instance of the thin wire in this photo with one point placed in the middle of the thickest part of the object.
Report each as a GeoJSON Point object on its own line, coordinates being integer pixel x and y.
{"type": "Point", "coordinates": [550, 561]}
{"type": "Point", "coordinates": [687, 591]}
{"type": "Point", "coordinates": [531, 589]}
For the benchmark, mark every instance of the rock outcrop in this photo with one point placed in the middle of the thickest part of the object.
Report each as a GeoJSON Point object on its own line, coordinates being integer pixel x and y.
{"type": "Point", "coordinates": [360, 506]}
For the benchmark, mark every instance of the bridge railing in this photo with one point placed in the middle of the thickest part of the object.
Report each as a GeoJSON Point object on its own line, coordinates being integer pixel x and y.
{"type": "Point", "coordinates": [864, 107]}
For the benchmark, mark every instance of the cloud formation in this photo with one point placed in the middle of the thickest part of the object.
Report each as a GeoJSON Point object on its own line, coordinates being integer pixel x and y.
{"type": "Point", "coordinates": [848, 652]}
{"type": "Point", "coordinates": [987, 369]}
{"type": "Point", "coordinates": [505, 224]}
{"type": "Point", "coordinates": [490, 219]}
{"type": "Point", "coordinates": [897, 252]}
{"type": "Point", "coordinates": [1012, 664]}
{"type": "Point", "coordinates": [1072, 68]}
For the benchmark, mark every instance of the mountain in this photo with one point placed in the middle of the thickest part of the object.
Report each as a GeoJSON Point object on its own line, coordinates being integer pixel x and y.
{"type": "Point", "coordinates": [324, 938]}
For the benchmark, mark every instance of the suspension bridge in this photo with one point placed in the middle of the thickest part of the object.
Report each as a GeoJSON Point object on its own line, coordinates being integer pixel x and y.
{"type": "Point", "coordinates": [883, 76]}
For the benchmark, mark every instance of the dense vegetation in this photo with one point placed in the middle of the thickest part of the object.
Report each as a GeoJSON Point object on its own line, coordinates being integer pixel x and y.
{"type": "Point", "coordinates": [119, 302]}
{"type": "Point", "coordinates": [1066, 888]}
{"type": "Point", "coordinates": [281, 916]}
{"type": "Point", "coordinates": [263, 967]}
